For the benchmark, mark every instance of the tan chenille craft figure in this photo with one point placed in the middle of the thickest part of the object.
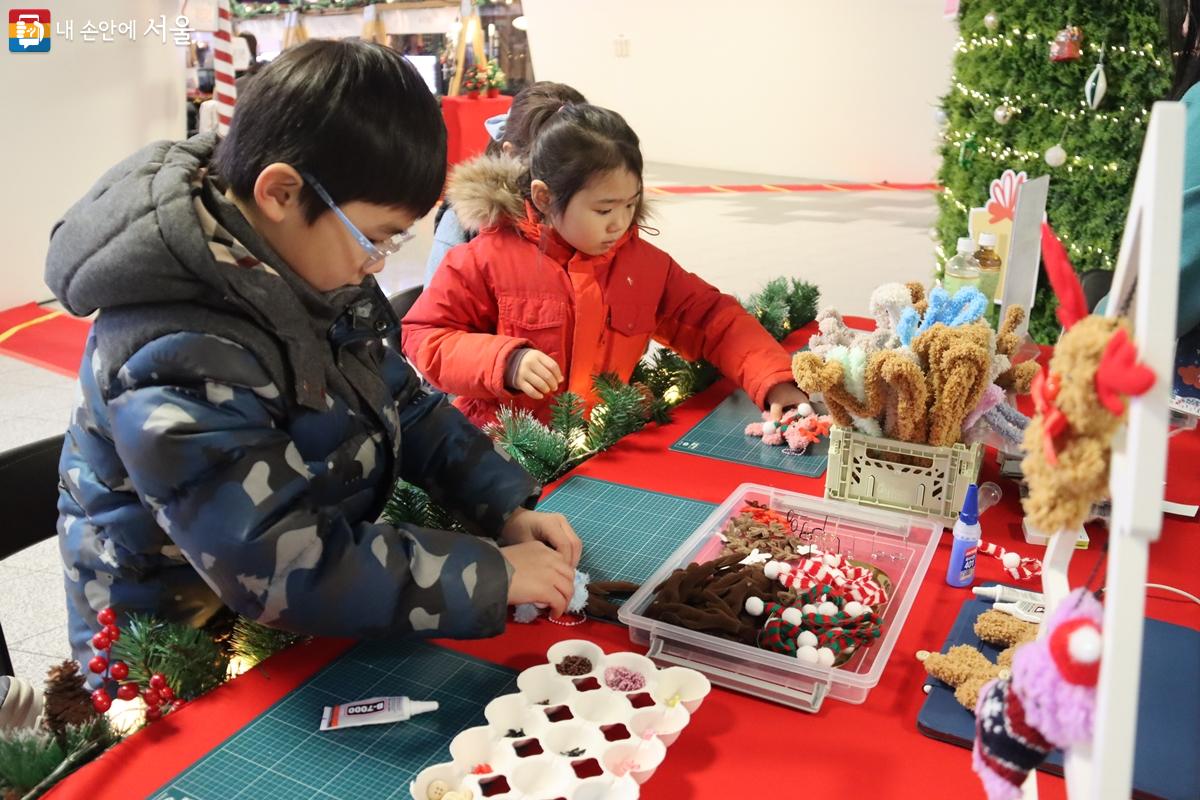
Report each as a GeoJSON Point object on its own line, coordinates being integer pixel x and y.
{"type": "Point", "coordinates": [1080, 404]}
{"type": "Point", "coordinates": [966, 669]}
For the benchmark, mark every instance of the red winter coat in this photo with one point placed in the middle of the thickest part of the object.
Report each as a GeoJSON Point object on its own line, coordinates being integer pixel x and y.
{"type": "Point", "coordinates": [518, 284]}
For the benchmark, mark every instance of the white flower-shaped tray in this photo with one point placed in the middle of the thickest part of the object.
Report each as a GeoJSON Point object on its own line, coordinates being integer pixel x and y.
{"type": "Point", "coordinates": [569, 736]}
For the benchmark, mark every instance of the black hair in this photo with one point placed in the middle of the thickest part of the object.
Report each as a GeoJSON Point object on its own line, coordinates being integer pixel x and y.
{"type": "Point", "coordinates": [1179, 15]}
{"type": "Point", "coordinates": [577, 143]}
{"type": "Point", "coordinates": [353, 114]}
{"type": "Point", "coordinates": [251, 44]}
{"type": "Point", "coordinates": [530, 109]}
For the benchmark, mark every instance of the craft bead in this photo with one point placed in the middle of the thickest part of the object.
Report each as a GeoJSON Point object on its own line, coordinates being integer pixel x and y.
{"type": "Point", "coordinates": [807, 639]}
{"type": "Point", "coordinates": [825, 657]}
{"type": "Point", "coordinates": [437, 790]}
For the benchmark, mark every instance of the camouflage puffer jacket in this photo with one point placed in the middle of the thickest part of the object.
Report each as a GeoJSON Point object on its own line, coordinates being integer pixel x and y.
{"type": "Point", "coordinates": [238, 433]}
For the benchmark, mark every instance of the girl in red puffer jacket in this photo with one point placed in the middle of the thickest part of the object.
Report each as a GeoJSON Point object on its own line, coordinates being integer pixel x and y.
{"type": "Point", "coordinates": [559, 287]}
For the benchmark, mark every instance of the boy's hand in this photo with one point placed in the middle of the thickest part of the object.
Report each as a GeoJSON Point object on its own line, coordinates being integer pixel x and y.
{"type": "Point", "coordinates": [540, 575]}
{"type": "Point", "coordinates": [537, 375]}
{"type": "Point", "coordinates": [551, 529]}
{"type": "Point", "coordinates": [783, 396]}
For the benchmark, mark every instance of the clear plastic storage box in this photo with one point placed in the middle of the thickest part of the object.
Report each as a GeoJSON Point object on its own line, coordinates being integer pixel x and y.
{"type": "Point", "coordinates": [901, 546]}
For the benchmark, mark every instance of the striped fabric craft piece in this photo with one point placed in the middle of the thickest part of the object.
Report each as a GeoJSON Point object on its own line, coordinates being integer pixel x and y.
{"type": "Point", "coordinates": [224, 88]}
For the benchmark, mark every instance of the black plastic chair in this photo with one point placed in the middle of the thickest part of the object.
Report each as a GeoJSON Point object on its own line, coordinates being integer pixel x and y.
{"type": "Point", "coordinates": [1095, 283]}
{"type": "Point", "coordinates": [29, 497]}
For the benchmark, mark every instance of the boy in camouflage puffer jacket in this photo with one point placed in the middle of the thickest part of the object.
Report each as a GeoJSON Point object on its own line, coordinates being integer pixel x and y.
{"type": "Point", "coordinates": [242, 423]}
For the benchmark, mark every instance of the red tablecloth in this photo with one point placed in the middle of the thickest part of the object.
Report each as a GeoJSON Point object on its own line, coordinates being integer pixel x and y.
{"type": "Point", "coordinates": [737, 746]}
{"type": "Point", "coordinates": [465, 135]}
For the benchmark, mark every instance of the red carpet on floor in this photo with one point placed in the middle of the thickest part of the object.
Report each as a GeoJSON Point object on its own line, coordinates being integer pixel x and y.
{"type": "Point", "coordinates": [43, 337]}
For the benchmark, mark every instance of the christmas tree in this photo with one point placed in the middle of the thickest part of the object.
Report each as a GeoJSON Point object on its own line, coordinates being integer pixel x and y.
{"type": "Point", "coordinates": [1027, 95]}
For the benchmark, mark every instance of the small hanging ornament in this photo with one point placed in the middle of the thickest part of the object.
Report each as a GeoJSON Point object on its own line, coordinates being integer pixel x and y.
{"type": "Point", "coordinates": [1003, 114]}
{"type": "Point", "coordinates": [941, 117]}
{"type": "Point", "coordinates": [1097, 85]}
{"type": "Point", "coordinates": [1056, 156]}
{"type": "Point", "coordinates": [967, 151]}
{"type": "Point", "coordinates": [991, 20]}
{"type": "Point", "coordinates": [1067, 45]}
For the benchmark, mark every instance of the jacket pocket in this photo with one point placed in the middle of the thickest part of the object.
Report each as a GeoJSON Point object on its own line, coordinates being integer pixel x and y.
{"type": "Point", "coordinates": [627, 333]}
{"type": "Point", "coordinates": [530, 313]}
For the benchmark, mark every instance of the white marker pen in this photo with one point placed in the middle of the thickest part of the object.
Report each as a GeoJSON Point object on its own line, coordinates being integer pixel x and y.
{"type": "Point", "coordinates": [373, 711]}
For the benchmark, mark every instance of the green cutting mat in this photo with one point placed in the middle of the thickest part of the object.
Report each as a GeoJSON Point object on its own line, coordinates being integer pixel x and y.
{"type": "Point", "coordinates": [627, 533]}
{"type": "Point", "coordinates": [280, 755]}
{"type": "Point", "coordinates": [721, 435]}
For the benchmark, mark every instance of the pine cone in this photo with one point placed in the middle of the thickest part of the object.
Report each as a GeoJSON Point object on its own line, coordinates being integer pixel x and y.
{"type": "Point", "coordinates": [68, 701]}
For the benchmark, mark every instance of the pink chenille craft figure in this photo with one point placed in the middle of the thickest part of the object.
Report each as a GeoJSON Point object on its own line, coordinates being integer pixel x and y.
{"type": "Point", "coordinates": [797, 429]}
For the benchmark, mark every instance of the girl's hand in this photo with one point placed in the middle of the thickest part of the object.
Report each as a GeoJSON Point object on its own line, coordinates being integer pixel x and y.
{"type": "Point", "coordinates": [537, 375]}
{"type": "Point", "coordinates": [784, 396]}
{"type": "Point", "coordinates": [552, 530]}
{"type": "Point", "coordinates": [540, 575]}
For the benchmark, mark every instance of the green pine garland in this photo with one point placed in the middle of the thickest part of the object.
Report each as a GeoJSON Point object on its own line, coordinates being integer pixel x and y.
{"type": "Point", "coordinates": [784, 306]}
{"type": "Point", "coordinates": [541, 451]}
{"type": "Point", "coordinates": [187, 657]}
{"type": "Point", "coordinates": [567, 416]}
{"type": "Point", "coordinates": [410, 505]}
{"type": "Point", "coordinates": [254, 643]}
{"type": "Point", "coordinates": [33, 760]}
{"type": "Point", "coordinates": [1088, 202]}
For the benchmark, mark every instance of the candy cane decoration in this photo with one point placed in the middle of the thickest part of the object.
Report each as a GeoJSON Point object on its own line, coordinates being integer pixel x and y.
{"type": "Point", "coordinates": [1021, 569]}
{"type": "Point", "coordinates": [224, 88]}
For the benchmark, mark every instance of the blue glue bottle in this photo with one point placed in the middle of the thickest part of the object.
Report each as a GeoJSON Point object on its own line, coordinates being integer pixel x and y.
{"type": "Point", "coordinates": [966, 541]}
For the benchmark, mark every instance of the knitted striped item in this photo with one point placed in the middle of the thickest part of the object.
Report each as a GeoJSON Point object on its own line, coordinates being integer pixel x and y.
{"type": "Point", "coordinates": [1025, 569]}
{"type": "Point", "coordinates": [1007, 747]}
{"type": "Point", "coordinates": [853, 581]}
{"type": "Point", "coordinates": [839, 632]}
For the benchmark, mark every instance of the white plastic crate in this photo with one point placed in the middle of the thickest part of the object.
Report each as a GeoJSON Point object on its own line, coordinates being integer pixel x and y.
{"type": "Point", "coordinates": [909, 478]}
{"type": "Point", "coordinates": [901, 546]}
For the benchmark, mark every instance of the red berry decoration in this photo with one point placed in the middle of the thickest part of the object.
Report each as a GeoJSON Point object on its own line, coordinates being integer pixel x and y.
{"type": "Point", "coordinates": [113, 632]}
{"type": "Point", "coordinates": [178, 704]}
{"type": "Point", "coordinates": [158, 680]}
{"type": "Point", "coordinates": [128, 691]}
{"type": "Point", "coordinates": [101, 641]}
{"type": "Point", "coordinates": [153, 713]}
{"type": "Point", "coordinates": [120, 670]}
{"type": "Point", "coordinates": [101, 701]}
{"type": "Point", "coordinates": [107, 617]}
{"type": "Point", "coordinates": [167, 694]}
{"type": "Point", "coordinates": [152, 697]}
{"type": "Point", "coordinates": [98, 664]}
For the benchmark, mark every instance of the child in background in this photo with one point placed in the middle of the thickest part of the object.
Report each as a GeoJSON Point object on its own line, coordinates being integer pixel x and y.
{"type": "Point", "coordinates": [511, 134]}
{"type": "Point", "coordinates": [242, 424]}
{"type": "Point", "coordinates": [559, 286]}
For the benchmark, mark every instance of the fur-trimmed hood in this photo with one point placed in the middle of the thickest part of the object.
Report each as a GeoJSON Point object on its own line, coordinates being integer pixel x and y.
{"type": "Point", "coordinates": [486, 192]}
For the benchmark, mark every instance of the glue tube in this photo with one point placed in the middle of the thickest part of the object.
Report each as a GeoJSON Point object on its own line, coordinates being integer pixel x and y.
{"type": "Point", "coordinates": [373, 711]}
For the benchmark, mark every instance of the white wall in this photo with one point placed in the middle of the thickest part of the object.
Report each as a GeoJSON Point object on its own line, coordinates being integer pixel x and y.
{"type": "Point", "coordinates": [72, 113]}
{"type": "Point", "coordinates": [840, 90]}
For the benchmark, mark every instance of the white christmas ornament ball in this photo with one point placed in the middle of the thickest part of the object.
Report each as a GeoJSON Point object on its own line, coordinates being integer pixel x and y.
{"type": "Point", "coordinates": [807, 654]}
{"type": "Point", "coordinates": [991, 20]}
{"type": "Point", "coordinates": [1056, 156]}
{"type": "Point", "coordinates": [792, 616]}
{"type": "Point", "coordinates": [754, 606]}
{"type": "Point", "coordinates": [827, 608]}
{"type": "Point", "coordinates": [807, 639]}
{"type": "Point", "coordinates": [1010, 560]}
{"type": "Point", "coordinates": [825, 657]}
{"type": "Point", "coordinates": [809, 609]}
{"type": "Point", "coordinates": [1002, 115]}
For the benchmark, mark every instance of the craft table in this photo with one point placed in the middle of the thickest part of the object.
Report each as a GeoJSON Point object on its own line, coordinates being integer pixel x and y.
{"type": "Point", "coordinates": [737, 746]}
{"type": "Point", "coordinates": [465, 135]}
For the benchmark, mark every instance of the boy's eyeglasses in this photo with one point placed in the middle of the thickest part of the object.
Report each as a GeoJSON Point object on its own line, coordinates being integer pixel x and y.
{"type": "Point", "coordinates": [376, 251]}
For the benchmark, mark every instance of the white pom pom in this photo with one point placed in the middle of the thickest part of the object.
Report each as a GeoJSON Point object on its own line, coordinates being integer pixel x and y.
{"type": "Point", "coordinates": [1085, 645]}
{"type": "Point", "coordinates": [804, 410]}
{"type": "Point", "coordinates": [827, 608]}
{"type": "Point", "coordinates": [754, 606]}
{"type": "Point", "coordinates": [1010, 560]}
{"type": "Point", "coordinates": [807, 639]}
{"type": "Point", "coordinates": [825, 657]}
{"type": "Point", "coordinates": [854, 608]}
{"type": "Point", "coordinates": [809, 609]}
{"type": "Point", "coordinates": [769, 427]}
{"type": "Point", "coordinates": [771, 570]}
{"type": "Point", "coordinates": [792, 616]}
{"type": "Point", "coordinates": [808, 655]}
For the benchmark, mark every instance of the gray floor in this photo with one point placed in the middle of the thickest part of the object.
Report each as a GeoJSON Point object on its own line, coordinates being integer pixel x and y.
{"type": "Point", "coordinates": [846, 243]}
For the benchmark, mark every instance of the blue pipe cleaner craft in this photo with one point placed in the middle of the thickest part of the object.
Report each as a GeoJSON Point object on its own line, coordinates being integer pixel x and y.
{"type": "Point", "coordinates": [528, 612]}
{"type": "Point", "coordinates": [968, 305]}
